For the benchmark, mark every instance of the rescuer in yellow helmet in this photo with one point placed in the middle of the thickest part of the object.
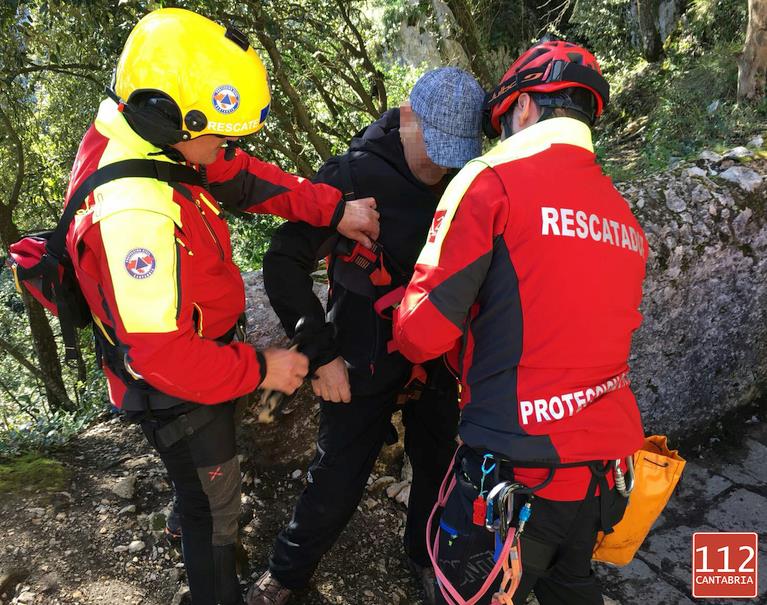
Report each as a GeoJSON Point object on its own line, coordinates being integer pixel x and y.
{"type": "Point", "coordinates": [152, 255]}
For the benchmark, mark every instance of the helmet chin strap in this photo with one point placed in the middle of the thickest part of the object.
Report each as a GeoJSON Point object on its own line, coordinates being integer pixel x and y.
{"type": "Point", "coordinates": [548, 103]}
{"type": "Point", "coordinates": [171, 153]}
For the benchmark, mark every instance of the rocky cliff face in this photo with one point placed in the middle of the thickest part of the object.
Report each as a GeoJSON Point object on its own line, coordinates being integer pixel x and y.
{"type": "Point", "coordinates": [702, 348]}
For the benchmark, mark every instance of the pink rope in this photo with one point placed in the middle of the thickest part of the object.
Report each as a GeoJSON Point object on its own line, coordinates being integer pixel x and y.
{"type": "Point", "coordinates": [449, 592]}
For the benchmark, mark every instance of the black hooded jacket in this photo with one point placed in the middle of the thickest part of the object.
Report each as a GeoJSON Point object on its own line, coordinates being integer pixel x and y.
{"type": "Point", "coordinates": [377, 169]}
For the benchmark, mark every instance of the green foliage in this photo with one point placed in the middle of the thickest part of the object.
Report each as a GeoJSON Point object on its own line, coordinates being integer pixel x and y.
{"type": "Point", "coordinates": [605, 28]}
{"type": "Point", "coordinates": [32, 472]}
{"type": "Point", "coordinates": [49, 432]}
{"type": "Point", "coordinates": [27, 423]}
{"type": "Point", "coordinates": [250, 238]}
{"type": "Point", "coordinates": [669, 110]}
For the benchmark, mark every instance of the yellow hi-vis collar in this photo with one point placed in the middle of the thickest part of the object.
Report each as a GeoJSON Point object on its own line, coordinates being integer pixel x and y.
{"type": "Point", "coordinates": [528, 142]}
{"type": "Point", "coordinates": [113, 125]}
{"type": "Point", "coordinates": [129, 193]}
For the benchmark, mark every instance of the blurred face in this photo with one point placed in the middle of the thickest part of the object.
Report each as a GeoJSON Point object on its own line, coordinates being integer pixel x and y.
{"type": "Point", "coordinates": [202, 150]}
{"type": "Point", "coordinates": [417, 159]}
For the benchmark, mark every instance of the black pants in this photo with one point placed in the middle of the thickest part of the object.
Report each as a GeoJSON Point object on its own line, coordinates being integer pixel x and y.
{"type": "Point", "coordinates": [556, 544]}
{"type": "Point", "coordinates": [349, 441]}
{"type": "Point", "coordinates": [205, 473]}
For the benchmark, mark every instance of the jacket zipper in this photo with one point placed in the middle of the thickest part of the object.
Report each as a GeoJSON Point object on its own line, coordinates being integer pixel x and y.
{"type": "Point", "coordinates": [464, 346]}
{"type": "Point", "coordinates": [207, 224]}
{"type": "Point", "coordinates": [376, 341]}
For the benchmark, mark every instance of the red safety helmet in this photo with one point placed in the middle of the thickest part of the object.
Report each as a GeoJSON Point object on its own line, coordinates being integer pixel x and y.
{"type": "Point", "coordinates": [546, 67]}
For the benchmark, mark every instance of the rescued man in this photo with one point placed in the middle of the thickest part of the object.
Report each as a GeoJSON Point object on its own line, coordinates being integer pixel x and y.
{"type": "Point", "coordinates": [404, 160]}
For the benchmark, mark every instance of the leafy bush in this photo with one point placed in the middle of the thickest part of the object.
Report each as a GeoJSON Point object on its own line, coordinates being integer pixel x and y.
{"type": "Point", "coordinates": [670, 110]}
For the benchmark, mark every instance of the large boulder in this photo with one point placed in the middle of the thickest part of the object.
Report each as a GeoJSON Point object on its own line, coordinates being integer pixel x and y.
{"type": "Point", "coordinates": [264, 327]}
{"type": "Point", "coordinates": [702, 348]}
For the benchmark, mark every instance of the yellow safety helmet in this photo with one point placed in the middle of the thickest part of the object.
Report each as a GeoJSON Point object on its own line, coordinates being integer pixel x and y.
{"type": "Point", "coordinates": [198, 77]}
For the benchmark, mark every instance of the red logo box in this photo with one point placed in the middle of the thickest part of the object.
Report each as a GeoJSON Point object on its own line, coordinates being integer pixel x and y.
{"type": "Point", "coordinates": [724, 565]}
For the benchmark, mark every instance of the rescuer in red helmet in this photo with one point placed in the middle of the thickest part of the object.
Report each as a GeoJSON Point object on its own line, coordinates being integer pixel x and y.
{"type": "Point", "coordinates": [530, 281]}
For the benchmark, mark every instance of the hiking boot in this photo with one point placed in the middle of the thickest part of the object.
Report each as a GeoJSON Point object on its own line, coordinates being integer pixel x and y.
{"type": "Point", "coordinates": [428, 580]}
{"type": "Point", "coordinates": [173, 528]}
{"type": "Point", "coordinates": [268, 591]}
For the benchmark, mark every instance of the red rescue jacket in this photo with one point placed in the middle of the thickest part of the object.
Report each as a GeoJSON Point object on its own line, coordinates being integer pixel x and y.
{"type": "Point", "coordinates": [154, 262]}
{"type": "Point", "coordinates": [532, 278]}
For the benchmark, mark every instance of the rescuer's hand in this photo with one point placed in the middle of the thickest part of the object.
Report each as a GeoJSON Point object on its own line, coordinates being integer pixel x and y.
{"type": "Point", "coordinates": [360, 221]}
{"type": "Point", "coordinates": [285, 370]}
{"type": "Point", "coordinates": [331, 382]}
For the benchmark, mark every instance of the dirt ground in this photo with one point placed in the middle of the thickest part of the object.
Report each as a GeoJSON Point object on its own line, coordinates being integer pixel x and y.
{"type": "Point", "coordinates": [101, 542]}
{"type": "Point", "coordinates": [88, 545]}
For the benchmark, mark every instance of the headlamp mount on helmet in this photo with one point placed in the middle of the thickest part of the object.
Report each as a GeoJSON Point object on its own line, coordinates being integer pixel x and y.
{"type": "Point", "coordinates": [238, 37]}
{"type": "Point", "coordinates": [552, 72]}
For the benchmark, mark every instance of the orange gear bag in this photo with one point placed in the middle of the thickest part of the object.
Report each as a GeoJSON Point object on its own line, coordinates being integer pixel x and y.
{"type": "Point", "coordinates": [656, 473]}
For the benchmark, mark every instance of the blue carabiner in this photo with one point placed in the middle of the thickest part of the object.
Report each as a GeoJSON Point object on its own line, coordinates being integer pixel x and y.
{"type": "Point", "coordinates": [485, 472]}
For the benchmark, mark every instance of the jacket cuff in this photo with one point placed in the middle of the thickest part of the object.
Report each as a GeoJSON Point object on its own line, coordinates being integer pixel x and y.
{"type": "Point", "coordinates": [318, 343]}
{"type": "Point", "coordinates": [262, 366]}
{"type": "Point", "coordinates": [338, 213]}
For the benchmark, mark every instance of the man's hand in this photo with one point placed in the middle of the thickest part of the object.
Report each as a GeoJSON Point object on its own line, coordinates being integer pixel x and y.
{"type": "Point", "coordinates": [285, 370]}
{"type": "Point", "coordinates": [331, 382]}
{"type": "Point", "coordinates": [360, 221]}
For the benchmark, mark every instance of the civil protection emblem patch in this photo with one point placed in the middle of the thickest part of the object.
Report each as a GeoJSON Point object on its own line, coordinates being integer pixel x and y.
{"type": "Point", "coordinates": [140, 263]}
{"type": "Point", "coordinates": [226, 99]}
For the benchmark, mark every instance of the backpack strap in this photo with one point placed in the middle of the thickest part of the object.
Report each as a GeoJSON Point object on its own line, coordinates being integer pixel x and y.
{"type": "Point", "coordinates": [345, 172]}
{"type": "Point", "coordinates": [48, 267]}
{"type": "Point", "coordinates": [137, 168]}
{"type": "Point", "coordinates": [346, 250]}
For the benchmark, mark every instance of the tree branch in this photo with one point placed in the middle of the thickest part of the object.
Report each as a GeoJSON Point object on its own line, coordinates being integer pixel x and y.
{"type": "Point", "coordinates": [299, 108]}
{"type": "Point", "coordinates": [33, 67]}
{"type": "Point", "coordinates": [362, 53]}
{"type": "Point", "coordinates": [18, 403]}
{"type": "Point", "coordinates": [468, 36]}
{"type": "Point", "coordinates": [35, 371]}
{"type": "Point", "coordinates": [303, 166]}
{"type": "Point", "coordinates": [332, 107]}
{"type": "Point", "coordinates": [354, 83]}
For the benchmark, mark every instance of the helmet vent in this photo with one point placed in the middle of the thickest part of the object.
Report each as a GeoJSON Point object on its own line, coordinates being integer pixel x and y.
{"type": "Point", "coordinates": [534, 55]}
{"type": "Point", "coordinates": [575, 58]}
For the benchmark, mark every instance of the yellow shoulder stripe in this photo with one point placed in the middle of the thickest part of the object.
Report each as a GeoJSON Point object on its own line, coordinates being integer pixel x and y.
{"type": "Point", "coordinates": [526, 143]}
{"type": "Point", "coordinates": [140, 248]}
{"type": "Point", "coordinates": [539, 137]}
{"type": "Point", "coordinates": [446, 210]}
{"type": "Point", "coordinates": [146, 195]}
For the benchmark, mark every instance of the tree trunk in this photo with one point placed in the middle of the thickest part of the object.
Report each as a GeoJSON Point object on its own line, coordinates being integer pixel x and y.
{"type": "Point", "coordinates": [42, 336]}
{"type": "Point", "coordinates": [469, 37]}
{"type": "Point", "coordinates": [649, 31]}
{"type": "Point", "coordinates": [752, 63]}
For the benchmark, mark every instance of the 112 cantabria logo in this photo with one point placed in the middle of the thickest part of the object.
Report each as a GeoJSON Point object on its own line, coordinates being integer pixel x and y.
{"type": "Point", "coordinates": [724, 565]}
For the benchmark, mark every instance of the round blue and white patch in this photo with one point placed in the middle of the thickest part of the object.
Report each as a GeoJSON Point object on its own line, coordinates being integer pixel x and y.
{"type": "Point", "coordinates": [226, 99]}
{"type": "Point", "coordinates": [140, 263]}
